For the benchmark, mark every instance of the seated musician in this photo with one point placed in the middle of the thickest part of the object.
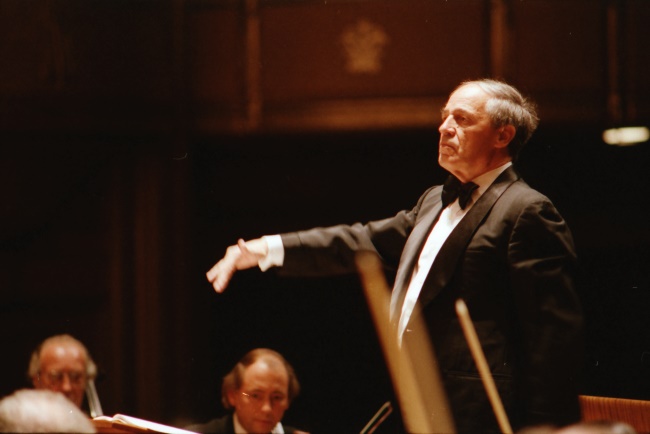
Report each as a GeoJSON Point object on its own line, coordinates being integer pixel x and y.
{"type": "Point", "coordinates": [257, 391]}
{"type": "Point", "coordinates": [62, 364]}
{"type": "Point", "coordinates": [32, 411]}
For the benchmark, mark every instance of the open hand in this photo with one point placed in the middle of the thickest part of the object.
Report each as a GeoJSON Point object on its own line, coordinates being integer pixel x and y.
{"type": "Point", "coordinates": [241, 256]}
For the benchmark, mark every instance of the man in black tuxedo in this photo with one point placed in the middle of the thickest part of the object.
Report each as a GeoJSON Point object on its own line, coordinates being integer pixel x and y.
{"type": "Point", "coordinates": [486, 237]}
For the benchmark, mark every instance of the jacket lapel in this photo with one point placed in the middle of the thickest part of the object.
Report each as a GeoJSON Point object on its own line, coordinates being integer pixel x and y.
{"type": "Point", "coordinates": [429, 215]}
{"type": "Point", "coordinates": [445, 263]}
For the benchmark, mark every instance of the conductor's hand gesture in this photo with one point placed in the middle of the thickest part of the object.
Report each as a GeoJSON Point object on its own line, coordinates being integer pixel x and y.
{"type": "Point", "coordinates": [243, 255]}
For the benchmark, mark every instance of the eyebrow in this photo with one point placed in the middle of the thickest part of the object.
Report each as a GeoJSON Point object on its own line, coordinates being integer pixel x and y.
{"type": "Point", "coordinates": [444, 112]}
{"type": "Point", "coordinates": [264, 391]}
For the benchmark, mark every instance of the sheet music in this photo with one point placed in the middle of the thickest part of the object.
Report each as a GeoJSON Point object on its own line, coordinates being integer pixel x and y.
{"type": "Point", "coordinates": [122, 419]}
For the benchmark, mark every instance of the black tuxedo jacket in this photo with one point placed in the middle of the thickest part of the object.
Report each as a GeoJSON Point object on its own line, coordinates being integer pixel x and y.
{"type": "Point", "coordinates": [512, 260]}
{"type": "Point", "coordinates": [224, 425]}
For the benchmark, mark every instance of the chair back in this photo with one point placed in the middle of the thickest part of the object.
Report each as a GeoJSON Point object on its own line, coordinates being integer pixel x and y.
{"type": "Point", "coordinates": [634, 412]}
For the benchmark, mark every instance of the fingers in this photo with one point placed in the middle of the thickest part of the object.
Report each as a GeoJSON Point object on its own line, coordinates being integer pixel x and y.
{"type": "Point", "coordinates": [222, 281]}
{"type": "Point", "coordinates": [243, 248]}
{"type": "Point", "coordinates": [237, 257]}
{"type": "Point", "coordinates": [222, 272]}
{"type": "Point", "coordinates": [220, 276]}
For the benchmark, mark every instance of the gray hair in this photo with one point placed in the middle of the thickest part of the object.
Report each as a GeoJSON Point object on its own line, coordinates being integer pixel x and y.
{"type": "Point", "coordinates": [30, 410]}
{"type": "Point", "coordinates": [35, 359]}
{"type": "Point", "coordinates": [507, 106]}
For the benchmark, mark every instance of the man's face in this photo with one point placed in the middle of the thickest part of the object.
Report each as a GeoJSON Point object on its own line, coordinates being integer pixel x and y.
{"type": "Point", "coordinates": [262, 399]}
{"type": "Point", "coordinates": [469, 144]}
{"type": "Point", "coordinates": [63, 369]}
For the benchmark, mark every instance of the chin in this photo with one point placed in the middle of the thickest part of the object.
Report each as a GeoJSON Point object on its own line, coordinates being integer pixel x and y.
{"type": "Point", "coordinates": [444, 163]}
{"type": "Point", "coordinates": [76, 400]}
{"type": "Point", "coordinates": [263, 427]}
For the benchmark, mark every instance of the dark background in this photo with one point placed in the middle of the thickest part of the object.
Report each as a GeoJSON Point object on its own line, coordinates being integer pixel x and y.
{"type": "Point", "coordinates": [139, 139]}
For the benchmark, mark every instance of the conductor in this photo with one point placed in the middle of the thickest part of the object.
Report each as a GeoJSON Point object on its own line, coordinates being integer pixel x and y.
{"type": "Point", "coordinates": [484, 236]}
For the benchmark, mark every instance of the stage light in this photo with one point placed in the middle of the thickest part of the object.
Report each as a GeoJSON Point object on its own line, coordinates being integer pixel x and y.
{"type": "Point", "coordinates": [626, 136]}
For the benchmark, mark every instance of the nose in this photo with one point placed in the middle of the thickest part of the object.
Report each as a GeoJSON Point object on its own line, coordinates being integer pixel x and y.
{"type": "Point", "coordinates": [446, 126]}
{"type": "Point", "coordinates": [66, 384]}
{"type": "Point", "coordinates": [266, 405]}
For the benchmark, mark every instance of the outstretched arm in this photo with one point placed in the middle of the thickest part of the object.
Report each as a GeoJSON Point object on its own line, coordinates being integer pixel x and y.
{"type": "Point", "coordinates": [324, 251]}
{"type": "Point", "coordinates": [243, 255]}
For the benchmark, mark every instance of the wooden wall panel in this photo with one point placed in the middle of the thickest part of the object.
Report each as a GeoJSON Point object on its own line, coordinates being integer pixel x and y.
{"type": "Point", "coordinates": [381, 63]}
{"type": "Point", "coordinates": [276, 65]}
{"type": "Point", "coordinates": [422, 48]}
{"type": "Point", "coordinates": [89, 49]}
{"type": "Point", "coordinates": [636, 60]}
{"type": "Point", "coordinates": [215, 49]}
{"type": "Point", "coordinates": [560, 57]}
{"type": "Point", "coordinates": [76, 65]}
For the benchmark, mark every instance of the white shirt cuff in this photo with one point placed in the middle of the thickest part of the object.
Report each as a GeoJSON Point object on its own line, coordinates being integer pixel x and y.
{"type": "Point", "coordinates": [275, 256]}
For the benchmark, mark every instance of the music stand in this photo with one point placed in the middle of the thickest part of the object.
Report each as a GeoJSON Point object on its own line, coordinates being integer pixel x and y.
{"type": "Point", "coordinates": [413, 366]}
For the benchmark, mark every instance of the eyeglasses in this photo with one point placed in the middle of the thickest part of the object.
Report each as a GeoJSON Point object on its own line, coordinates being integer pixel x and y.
{"type": "Point", "coordinates": [74, 377]}
{"type": "Point", "coordinates": [259, 398]}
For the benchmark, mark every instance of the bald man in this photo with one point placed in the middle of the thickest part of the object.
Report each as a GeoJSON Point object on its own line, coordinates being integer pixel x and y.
{"type": "Point", "coordinates": [61, 363]}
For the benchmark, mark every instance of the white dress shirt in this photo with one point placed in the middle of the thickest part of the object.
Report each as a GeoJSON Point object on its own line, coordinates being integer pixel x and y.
{"type": "Point", "coordinates": [239, 429]}
{"type": "Point", "coordinates": [449, 218]}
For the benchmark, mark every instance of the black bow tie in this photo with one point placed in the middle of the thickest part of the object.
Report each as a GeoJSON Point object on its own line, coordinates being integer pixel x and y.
{"type": "Point", "coordinates": [453, 189]}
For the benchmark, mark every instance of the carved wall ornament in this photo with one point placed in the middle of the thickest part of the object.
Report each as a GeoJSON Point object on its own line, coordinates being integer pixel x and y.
{"type": "Point", "coordinates": [364, 44]}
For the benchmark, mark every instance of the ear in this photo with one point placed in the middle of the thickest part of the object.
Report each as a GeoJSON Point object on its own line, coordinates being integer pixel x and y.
{"type": "Point", "coordinates": [505, 134]}
{"type": "Point", "coordinates": [232, 397]}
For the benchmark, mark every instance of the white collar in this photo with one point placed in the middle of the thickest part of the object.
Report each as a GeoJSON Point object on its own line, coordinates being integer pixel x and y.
{"type": "Point", "coordinates": [239, 429]}
{"type": "Point", "coordinates": [485, 180]}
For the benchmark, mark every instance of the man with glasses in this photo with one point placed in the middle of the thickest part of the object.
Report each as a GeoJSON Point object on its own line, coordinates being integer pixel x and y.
{"type": "Point", "coordinates": [61, 363]}
{"type": "Point", "coordinates": [257, 392]}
